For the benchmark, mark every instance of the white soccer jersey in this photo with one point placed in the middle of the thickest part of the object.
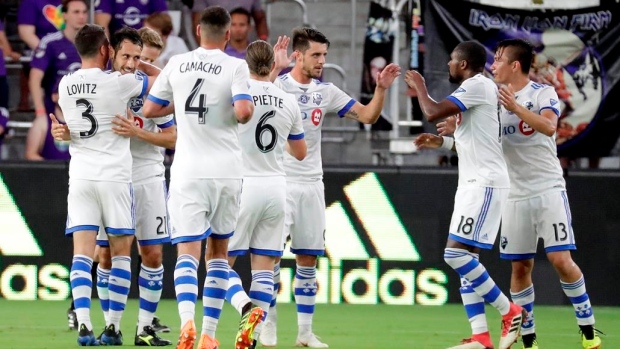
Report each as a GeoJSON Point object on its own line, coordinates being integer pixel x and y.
{"type": "Point", "coordinates": [263, 139]}
{"type": "Point", "coordinates": [531, 156]}
{"type": "Point", "coordinates": [478, 134]}
{"type": "Point", "coordinates": [203, 85]}
{"type": "Point", "coordinates": [148, 159]}
{"type": "Point", "coordinates": [90, 100]}
{"type": "Point", "coordinates": [315, 100]}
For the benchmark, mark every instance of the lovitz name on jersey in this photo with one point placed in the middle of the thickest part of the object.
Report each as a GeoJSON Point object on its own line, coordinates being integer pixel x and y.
{"type": "Point", "coordinates": [206, 67]}
{"type": "Point", "coordinates": [268, 100]}
{"type": "Point", "coordinates": [76, 89]}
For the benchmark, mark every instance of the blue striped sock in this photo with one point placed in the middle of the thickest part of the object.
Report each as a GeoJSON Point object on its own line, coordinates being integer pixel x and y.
{"type": "Point", "coordinates": [525, 298]}
{"type": "Point", "coordinates": [150, 283]}
{"type": "Point", "coordinates": [214, 294]}
{"type": "Point", "coordinates": [118, 287]}
{"type": "Point", "coordinates": [272, 314]}
{"type": "Point", "coordinates": [305, 296]}
{"type": "Point", "coordinates": [576, 292]}
{"type": "Point", "coordinates": [468, 267]}
{"type": "Point", "coordinates": [103, 278]}
{"type": "Point", "coordinates": [474, 306]}
{"type": "Point", "coordinates": [186, 286]}
{"type": "Point", "coordinates": [81, 288]}
{"type": "Point", "coordinates": [235, 295]}
{"type": "Point", "coordinates": [261, 289]}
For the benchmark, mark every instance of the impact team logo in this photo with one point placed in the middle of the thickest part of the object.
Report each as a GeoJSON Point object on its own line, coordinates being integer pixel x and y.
{"type": "Point", "coordinates": [19, 281]}
{"type": "Point", "coordinates": [370, 266]}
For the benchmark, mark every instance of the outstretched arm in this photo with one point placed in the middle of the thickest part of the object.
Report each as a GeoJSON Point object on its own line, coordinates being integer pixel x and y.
{"type": "Point", "coordinates": [432, 109]}
{"type": "Point", "coordinates": [369, 113]}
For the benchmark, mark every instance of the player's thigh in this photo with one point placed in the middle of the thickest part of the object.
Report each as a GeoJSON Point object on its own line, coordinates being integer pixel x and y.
{"type": "Point", "coordinates": [83, 207]}
{"type": "Point", "coordinates": [267, 238]}
{"type": "Point", "coordinates": [308, 228]}
{"type": "Point", "coordinates": [118, 207]}
{"type": "Point", "coordinates": [188, 207]}
{"type": "Point", "coordinates": [152, 223]}
{"type": "Point", "coordinates": [477, 215]}
{"type": "Point", "coordinates": [518, 233]}
{"type": "Point", "coordinates": [225, 211]}
{"type": "Point", "coordinates": [250, 211]}
{"type": "Point", "coordinates": [553, 222]}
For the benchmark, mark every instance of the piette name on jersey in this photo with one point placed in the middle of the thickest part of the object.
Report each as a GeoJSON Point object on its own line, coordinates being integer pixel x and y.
{"type": "Point", "coordinates": [268, 100]}
{"type": "Point", "coordinates": [206, 67]}
{"type": "Point", "coordinates": [77, 89]}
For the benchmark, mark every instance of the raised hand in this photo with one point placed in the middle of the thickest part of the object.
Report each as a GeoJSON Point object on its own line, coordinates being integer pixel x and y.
{"type": "Point", "coordinates": [428, 141]}
{"type": "Point", "coordinates": [507, 98]}
{"type": "Point", "coordinates": [59, 131]}
{"type": "Point", "coordinates": [413, 78]}
{"type": "Point", "coordinates": [280, 50]}
{"type": "Point", "coordinates": [388, 75]}
{"type": "Point", "coordinates": [447, 126]}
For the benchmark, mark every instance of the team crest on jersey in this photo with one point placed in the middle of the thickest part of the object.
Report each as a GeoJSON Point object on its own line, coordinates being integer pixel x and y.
{"type": "Point", "coordinates": [317, 115]}
{"type": "Point", "coordinates": [525, 129]}
{"type": "Point", "coordinates": [303, 99]}
{"type": "Point", "coordinates": [503, 242]}
{"type": "Point", "coordinates": [458, 91]}
{"type": "Point", "coordinates": [529, 105]}
{"type": "Point", "coordinates": [135, 104]}
{"type": "Point", "coordinates": [317, 98]}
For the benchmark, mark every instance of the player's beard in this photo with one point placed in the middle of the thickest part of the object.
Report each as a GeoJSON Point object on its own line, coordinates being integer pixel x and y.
{"type": "Point", "coordinates": [310, 72]}
{"type": "Point", "coordinates": [453, 79]}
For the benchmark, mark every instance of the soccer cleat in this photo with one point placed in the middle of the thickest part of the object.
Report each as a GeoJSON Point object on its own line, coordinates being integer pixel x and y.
{"type": "Point", "coordinates": [157, 326]}
{"type": "Point", "coordinates": [111, 337]}
{"type": "Point", "coordinates": [206, 342]}
{"type": "Point", "coordinates": [533, 346]}
{"type": "Point", "coordinates": [72, 319]}
{"type": "Point", "coordinates": [511, 326]}
{"type": "Point", "coordinates": [187, 336]}
{"type": "Point", "coordinates": [268, 336]}
{"type": "Point", "coordinates": [247, 325]}
{"type": "Point", "coordinates": [477, 341]}
{"type": "Point", "coordinates": [86, 337]}
{"type": "Point", "coordinates": [529, 341]}
{"type": "Point", "coordinates": [310, 340]}
{"type": "Point", "coordinates": [149, 338]}
{"type": "Point", "coordinates": [594, 343]}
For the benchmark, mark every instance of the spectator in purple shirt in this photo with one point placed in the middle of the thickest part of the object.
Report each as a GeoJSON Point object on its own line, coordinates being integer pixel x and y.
{"type": "Point", "coordinates": [113, 14]}
{"type": "Point", "coordinates": [252, 6]}
{"type": "Point", "coordinates": [55, 57]}
{"type": "Point", "coordinates": [5, 50]}
{"type": "Point", "coordinates": [35, 19]}
{"type": "Point", "coordinates": [239, 30]}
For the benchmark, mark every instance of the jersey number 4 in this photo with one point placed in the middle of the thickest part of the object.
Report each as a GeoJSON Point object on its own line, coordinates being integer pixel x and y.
{"type": "Point", "coordinates": [88, 115]}
{"type": "Point", "coordinates": [201, 110]}
{"type": "Point", "coordinates": [263, 127]}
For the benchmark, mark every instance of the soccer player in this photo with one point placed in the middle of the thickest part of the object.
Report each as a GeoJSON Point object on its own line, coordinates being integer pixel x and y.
{"type": "Point", "coordinates": [211, 96]}
{"type": "Point", "coordinates": [305, 213]}
{"type": "Point", "coordinates": [276, 125]}
{"type": "Point", "coordinates": [100, 189]}
{"type": "Point", "coordinates": [538, 190]}
{"type": "Point", "coordinates": [482, 188]}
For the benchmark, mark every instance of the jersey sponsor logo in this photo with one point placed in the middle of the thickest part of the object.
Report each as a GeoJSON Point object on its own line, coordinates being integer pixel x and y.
{"type": "Point", "coordinates": [303, 99]}
{"type": "Point", "coordinates": [317, 98]}
{"type": "Point", "coordinates": [131, 16]}
{"type": "Point", "coordinates": [304, 115]}
{"type": "Point", "coordinates": [138, 122]}
{"type": "Point", "coordinates": [525, 129]}
{"type": "Point", "coordinates": [317, 115]}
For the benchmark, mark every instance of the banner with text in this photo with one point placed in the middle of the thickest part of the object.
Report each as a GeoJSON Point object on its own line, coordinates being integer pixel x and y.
{"type": "Point", "coordinates": [576, 52]}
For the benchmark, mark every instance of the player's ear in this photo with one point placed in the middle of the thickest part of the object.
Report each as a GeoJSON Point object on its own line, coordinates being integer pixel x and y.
{"type": "Point", "coordinates": [198, 32]}
{"type": "Point", "coordinates": [227, 35]}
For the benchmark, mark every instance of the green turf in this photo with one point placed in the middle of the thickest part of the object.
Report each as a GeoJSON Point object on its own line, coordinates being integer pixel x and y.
{"type": "Point", "coordinates": [40, 325]}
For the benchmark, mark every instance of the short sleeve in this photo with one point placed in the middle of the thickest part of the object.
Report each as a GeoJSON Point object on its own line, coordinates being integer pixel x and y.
{"type": "Point", "coordinates": [340, 102]}
{"type": "Point", "coordinates": [164, 121]}
{"type": "Point", "coordinates": [161, 91]}
{"type": "Point", "coordinates": [240, 87]}
{"type": "Point", "coordinates": [132, 85]}
{"type": "Point", "coordinates": [548, 99]}
{"type": "Point", "coordinates": [27, 13]}
{"type": "Point", "coordinates": [42, 55]}
{"type": "Point", "coordinates": [471, 93]}
{"type": "Point", "coordinates": [104, 6]}
{"type": "Point", "coordinates": [297, 131]}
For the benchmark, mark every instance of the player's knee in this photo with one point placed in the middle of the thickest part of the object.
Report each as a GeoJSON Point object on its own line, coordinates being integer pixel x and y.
{"type": "Point", "coordinates": [522, 269]}
{"type": "Point", "coordinates": [561, 261]}
{"type": "Point", "coordinates": [151, 258]}
{"type": "Point", "coordinates": [306, 260]}
{"type": "Point", "coordinates": [105, 259]}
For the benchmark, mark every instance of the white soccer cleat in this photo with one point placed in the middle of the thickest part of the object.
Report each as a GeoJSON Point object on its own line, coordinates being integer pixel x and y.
{"type": "Point", "coordinates": [268, 336]}
{"type": "Point", "coordinates": [511, 326]}
{"type": "Point", "coordinates": [310, 340]}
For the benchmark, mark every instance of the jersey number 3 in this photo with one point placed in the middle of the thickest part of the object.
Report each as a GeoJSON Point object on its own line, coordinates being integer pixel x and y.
{"type": "Point", "coordinates": [88, 115]}
{"type": "Point", "coordinates": [201, 110]}
{"type": "Point", "coordinates": [263, 127]}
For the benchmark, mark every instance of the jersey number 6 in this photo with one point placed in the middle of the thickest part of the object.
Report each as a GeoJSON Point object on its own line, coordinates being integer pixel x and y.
{"type": "Point", "coordinates": [263, 127]}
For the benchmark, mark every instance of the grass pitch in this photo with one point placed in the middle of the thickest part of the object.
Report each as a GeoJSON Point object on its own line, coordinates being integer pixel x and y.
{"type": "Point", "coordinates": [43, 325]}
